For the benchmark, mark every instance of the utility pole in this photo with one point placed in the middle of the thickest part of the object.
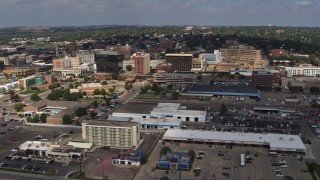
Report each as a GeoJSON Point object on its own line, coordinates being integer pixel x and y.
{"type": "Point", "coordinates": [180, 177]}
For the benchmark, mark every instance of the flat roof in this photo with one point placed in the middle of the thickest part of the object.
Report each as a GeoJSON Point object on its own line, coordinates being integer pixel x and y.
{"type": "Point", "coordinates": [110, 123]}
{"type": "Point", "coordinates": [91, 85]}
{"type": "Point", "coordinates": [174, 108]}
{"type": "Point", "coordinates": [80, 145]}
{"type": "Point", "coordinates": [179, 55]}
{"type": "Point", "coordinates": [221, 87]}
{"type": "Point", "coordinates": [281, 142]}
{"type": "Point", "coordinates": [119, 118]}
{"type": "Point", "coordinates": [36, 145]}
{"type": "Point", "coordinates": [157, 121]}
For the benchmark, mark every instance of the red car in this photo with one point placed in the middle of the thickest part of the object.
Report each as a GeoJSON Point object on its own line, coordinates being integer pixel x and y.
{"type": "Point", "coordinates": [13, 139]}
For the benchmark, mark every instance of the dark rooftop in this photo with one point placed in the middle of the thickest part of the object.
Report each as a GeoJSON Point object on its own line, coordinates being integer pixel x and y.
{"type": "Point", "coordinates": [221, 87]}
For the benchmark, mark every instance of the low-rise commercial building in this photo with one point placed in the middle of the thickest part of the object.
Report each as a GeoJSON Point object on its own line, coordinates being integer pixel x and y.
{"type": "Point", "coordinates": [175, 161]}
{"type": "Point", "coordinates": [220, 90]}
{"type": "Point", "coordinates": [124, 160]}
{"type": "Point", "coordinates": [112, 134]}
{"type": "Point", "coordinates": [175, 78]}
{"type": "Point", "coordinates": [303, 70]}
{"type": "Point", "coordinates": [275, 142]}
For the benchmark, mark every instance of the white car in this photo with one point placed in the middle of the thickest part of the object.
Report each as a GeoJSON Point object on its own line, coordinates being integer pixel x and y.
{"type": "Point", "coordinates": [276, 170]}
{"type": "Point", "coordinates": [284, 166]}
{"type": "Point", "coordinates": [279, 174]}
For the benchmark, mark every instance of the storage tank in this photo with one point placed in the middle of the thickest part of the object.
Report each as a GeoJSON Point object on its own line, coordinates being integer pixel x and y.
{"type": "Point", "coordinates": [39, 80]}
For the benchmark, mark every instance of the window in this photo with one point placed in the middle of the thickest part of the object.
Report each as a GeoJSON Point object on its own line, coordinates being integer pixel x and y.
{"type": "Point", "coordinates": [179, 117]}
{"type": "Point", "coordinates": [196, 119]}
{"type": "Point", "coordinates": [187, 119]}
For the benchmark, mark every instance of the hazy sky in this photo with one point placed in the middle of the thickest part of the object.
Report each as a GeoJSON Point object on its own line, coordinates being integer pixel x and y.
{"type": "Point", "coordinates": [159, 12]}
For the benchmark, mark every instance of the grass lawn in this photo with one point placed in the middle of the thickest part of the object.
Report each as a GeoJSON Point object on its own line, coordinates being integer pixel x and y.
{"type": "Point", "coordinates": [32, 91]}
{"type": "Point", "coordinates": [88, 99]}
{"type": "Point", "coordinates": [78, 175]}
{"type": "Point", "coordinates": [147, 95]}
{"type": "Point", "coordinates": [314, 168]}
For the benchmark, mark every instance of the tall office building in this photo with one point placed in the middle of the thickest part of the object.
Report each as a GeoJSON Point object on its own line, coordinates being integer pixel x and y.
{"type": "Point", "coordinates": [141, 63]}
{"type": "Point", "coordinates": [109, 62]}
{"type": "Point", "coordinates": [180, 62]}
{"type": "Point", "coordinates": [86, 57]}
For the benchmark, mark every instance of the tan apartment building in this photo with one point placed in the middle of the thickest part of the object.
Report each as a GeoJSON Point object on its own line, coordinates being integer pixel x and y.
{"type": "Point", "coordinates": [141, 63]}
{"type": "Point", "coordinates": [245, 56]}
{"type": "Point", "coordinates": [112, 134]}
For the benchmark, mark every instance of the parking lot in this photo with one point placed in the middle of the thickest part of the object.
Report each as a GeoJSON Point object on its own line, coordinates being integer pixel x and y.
{"type": "Point", "coordinates": [213, 166]}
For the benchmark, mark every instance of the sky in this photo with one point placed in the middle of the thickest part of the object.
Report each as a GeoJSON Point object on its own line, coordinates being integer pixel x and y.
{"type": "Point", "coordinates": [159, 12]}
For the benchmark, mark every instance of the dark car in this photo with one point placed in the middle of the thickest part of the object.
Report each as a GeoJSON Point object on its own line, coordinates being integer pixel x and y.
{"type": "Point", "coordinates": [70, 132]}
{"type": "Point", "coordinates": [226, 174]}
{"type": "Point", "coordinates": [220, 154]}
{"type": "Point", "coordinates": [19, 158]}
{"type": "Point", "coordinates": [50, 162]}
{"type": "Point", "coordinates": [35, 168]}
{"type": "Point", "coordinates": [226, 168]}
{"type": "Point", "coordinates": [167, 172]}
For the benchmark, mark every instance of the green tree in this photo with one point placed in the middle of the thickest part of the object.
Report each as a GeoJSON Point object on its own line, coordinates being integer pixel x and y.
{"type": "Point", "coordinates": [223, 110]}
{"type": "Point", "coordinates": [103, 92]}
{"type": "Point", "coordinates": [96, 92]}
{"type": "Point", "coordinates": [192, 154]}
{"type": "Point", "coordinates": [92, 113]}
{"type": "Point", "coordinates": [128, 67]}
{"type": "Point", "coordinates": [18, 107]}
{"type": "Point", "coordinates": [81, 111]}
{"type": "Point", "coordinates": [95, 103]}
{"type": "Point", "coordinates": [175, 95]}
{"type": "Point", "coordinates": [104, 83]}
{"type": "Point", "coordinates": [71, 86]}
{"type": "Point", "coordinates": [86, 79]}
{"type": "Point", "coordinates": [35, 97]}
{"type": "Point", "coordinates": [43, 118]}
{"type": "Point", "coordinates": [164, 178]}
{"type": "Point", "coordinates": [144, 159]}
{"type": "Point", "coordinates": [35, 119]}
{"type": "Point", "coordinates": [66, 119]}
{"type": "Point", "coordinates": [29, 119]}
{"type": "Point", "coordinates": [84, 93]}
{"type": "Point", "coordinates": [165, 150]}
{"type": "Point", "coordinates": [128, 86]}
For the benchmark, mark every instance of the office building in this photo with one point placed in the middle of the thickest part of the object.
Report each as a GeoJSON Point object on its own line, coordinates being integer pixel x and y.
{"type": "Point", "coordinates": [141, 63]}
{"type": "Point", "coordinates": [175, 78]}
{"type": "Point", "coordinates": [212, 58]}
{"type": "Point", "coordinates": [262, 79]}
{"type": "Point", "coordinates": [86, 57]}
{"type": "Point", "coordinates": [109, 62]}
{"type": "Point", "coordinates": [303, 70]}
{"type": "Point", "coordinates": [126, 50]}
{"type": "Point", "coordinates": [112, 134]}
{"type": "Point", "coordinates": [180, 62]}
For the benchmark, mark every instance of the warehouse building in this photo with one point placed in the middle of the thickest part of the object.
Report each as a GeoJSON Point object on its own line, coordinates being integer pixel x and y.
{"type": "Point", "coordinates": [275, 142]}
{"type": "Point", "coordinates": [220, 90]}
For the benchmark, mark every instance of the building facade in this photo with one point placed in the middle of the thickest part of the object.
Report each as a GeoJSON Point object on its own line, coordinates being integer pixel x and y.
{"type": "Point", "coordinates": [109, 62]}
{"type": "Point", "coordinates": [112, 134]}
{"type": "Point", "coordinates": [262, 79]}
{"type": "Point", "coordinates": [175, 78]}
{"type": "Point", "coordinates": [303, 70]}
{"type": "Point", "coordinates": [141, 63]}
{"type": "Point", "coordinates": [180, 62]}
{"type": "Point", "coordinates": [245, 56]}
{"type": "Point", "coordinates": [86, 57]}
